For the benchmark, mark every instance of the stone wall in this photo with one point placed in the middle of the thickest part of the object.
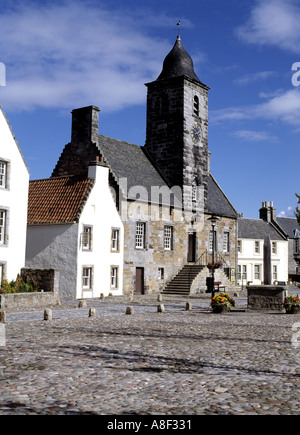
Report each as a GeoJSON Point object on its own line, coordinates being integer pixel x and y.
{"type": "Point", "coordinates": [19, 301]}
{"type": "Point", "coordinates": [266, 298]}
{"type": "Point", "coordinates": [154, 256]}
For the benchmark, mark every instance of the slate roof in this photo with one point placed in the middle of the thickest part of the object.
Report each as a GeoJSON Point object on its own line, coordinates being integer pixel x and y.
{"type": "Point", "coordinates": [132, 162]}
{"type": "Point", "coordinates": [289, 225]}
{"type": "Point", "coordinates": [257, 229]}
{"type": "Point", "coordinates": [57, 200]}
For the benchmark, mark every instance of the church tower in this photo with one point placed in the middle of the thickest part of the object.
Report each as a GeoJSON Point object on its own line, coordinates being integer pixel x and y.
{"type": "Point", "coordinates": [177, 125]}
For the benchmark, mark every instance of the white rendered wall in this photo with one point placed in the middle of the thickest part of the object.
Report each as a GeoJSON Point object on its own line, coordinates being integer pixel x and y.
{"type": "Point", "coordinates": [13, 199]}
{"type": "Point", "coordinates": [101, 214]}
{"type": "Point", "coordinates": [249, 258]}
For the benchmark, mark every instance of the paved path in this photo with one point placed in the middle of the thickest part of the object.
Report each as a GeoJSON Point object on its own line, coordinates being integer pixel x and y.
{"type": "Point", "coordinates": [174, 363]}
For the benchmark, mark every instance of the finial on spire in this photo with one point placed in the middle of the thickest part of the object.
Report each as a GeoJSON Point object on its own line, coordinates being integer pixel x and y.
{"type": "Point", "coordinates": [178, 27]}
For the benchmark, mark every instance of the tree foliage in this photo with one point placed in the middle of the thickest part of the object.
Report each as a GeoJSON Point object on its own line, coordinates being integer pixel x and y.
{"type": "Point", "coordinates": [298, 209]}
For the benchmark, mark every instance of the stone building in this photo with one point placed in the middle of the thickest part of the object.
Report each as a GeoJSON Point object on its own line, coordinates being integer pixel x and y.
{"type": "Point", "coordinates": [164, 191]}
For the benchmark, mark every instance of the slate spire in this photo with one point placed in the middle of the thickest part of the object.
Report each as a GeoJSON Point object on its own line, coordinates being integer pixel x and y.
{"type": "Point", "coordinates": [178, 63]}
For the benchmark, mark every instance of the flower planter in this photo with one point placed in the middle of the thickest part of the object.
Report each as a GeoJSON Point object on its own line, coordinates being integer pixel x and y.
{"type": "Point", "coordinates": [293, 310]}
{"type": "Point", "coordinates": [220, 309]}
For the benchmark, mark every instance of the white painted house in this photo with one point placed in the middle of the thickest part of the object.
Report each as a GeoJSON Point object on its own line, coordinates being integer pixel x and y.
{"type": "Point", "coordinates": [74, 226]}
{"type": "Point", "coordinates": [251, 236]}
{"type": "Point", "coordinates": [14, 179]}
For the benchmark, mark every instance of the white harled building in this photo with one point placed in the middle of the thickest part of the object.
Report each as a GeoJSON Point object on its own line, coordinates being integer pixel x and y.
{"type": "Point", "coordinates": [14, 180]}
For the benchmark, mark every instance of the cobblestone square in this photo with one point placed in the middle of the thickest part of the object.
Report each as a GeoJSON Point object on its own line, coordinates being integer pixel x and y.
{"type": "Point", "coordinates": [174, 363]}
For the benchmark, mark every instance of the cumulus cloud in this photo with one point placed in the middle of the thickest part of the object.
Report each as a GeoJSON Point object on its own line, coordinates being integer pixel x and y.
{"type": "Point", "coordinates": [73, 53]}
{"type": "Point", "coordinates": [273, 23]}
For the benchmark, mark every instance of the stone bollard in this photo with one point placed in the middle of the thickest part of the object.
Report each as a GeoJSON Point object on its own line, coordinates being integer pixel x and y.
{"type": "Point", "coordinates": [92, 312]}
{"type": "Point", "coordinates": [159, 298]}
{"type": "Point", "coordinates": [48, 314]}
{"type": "Point", "coordinates": [129, 310]}
{"type": "Point", "coordinates": [82, 304]}
{"type": "Point", "coordinates": [161, 308]}
{"type": "Point", "coordinates": [102, 296]}
{"type": "Point", "coordinates": [2, 317]}
{"type": "Point", "coordinates": [188, 306]}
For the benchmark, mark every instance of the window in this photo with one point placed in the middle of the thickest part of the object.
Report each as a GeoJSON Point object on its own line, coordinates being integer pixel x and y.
{"type": "Point", "coordinates": [168, 237]}
{"type": "Point", "coordinates": [239, 246]}
{"type": "Point", "coordinates": [115, 237]}
{"type": "Point", "coordinates": [257, 247]}
{"type": "Point", "coordinates": [140, 235]}
{"type": "Point", "coordinates": [297, 246]}
{"type": "Point", "coordinates": [226, 240]}
{"type": "Point", "coordinates": [242, 272]}
{"type": "Point", "coordinates": [2, 226]}
{"type": "Point", "coordinates": [196, 105]}
{"type": "Point", "coordinates": [87, 278]}
{"type": "Point", "coordinates": [275, 275]}
{"type": "Point", "coordinates": [87, 238]}
{"type": "Point", "coordinates": [114, 277]}
{"type": "Point", "coordinates": [257, 271]}
{"type": "Point", "coordinates": [194, 191]}
{"type": "Point", "coordinates": [3, 168]}
{"type": "Point", "coordinates": [274, 248]}
{"type": "Point", "coordinates": [161, 273]}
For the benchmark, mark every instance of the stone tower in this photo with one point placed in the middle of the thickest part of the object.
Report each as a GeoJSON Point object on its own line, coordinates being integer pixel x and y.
{"type": "Point", "coordinates": [177, 124]}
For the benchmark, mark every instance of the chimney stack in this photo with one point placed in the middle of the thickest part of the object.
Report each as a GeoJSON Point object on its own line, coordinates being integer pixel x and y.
{"type": "Point", "coordinates": [85, 124]}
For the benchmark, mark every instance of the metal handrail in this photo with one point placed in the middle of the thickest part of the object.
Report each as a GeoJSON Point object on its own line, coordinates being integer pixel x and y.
{"type": "Point", "coordinates": [196, 264]}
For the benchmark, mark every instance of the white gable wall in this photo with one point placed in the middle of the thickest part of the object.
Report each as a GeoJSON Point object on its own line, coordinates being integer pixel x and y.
{"type": "Point", "coordinates": [13, 200]}
{"type": "Point", "coordinates": [101, 215]}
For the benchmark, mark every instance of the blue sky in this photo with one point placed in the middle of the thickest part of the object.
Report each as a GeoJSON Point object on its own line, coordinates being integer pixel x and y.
{"type": "Point", "coordinates": [61, 55]}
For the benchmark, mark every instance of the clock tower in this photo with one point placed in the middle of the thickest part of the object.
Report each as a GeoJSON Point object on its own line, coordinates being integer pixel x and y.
{"type": "Point", "coordinates": [177, 125]}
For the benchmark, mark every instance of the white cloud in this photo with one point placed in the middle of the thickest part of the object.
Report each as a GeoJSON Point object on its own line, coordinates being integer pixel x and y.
{"type": "Point", "coordinates": [273, 23]}
{"type": "Point", "coordinates": [255, 77]}
{"type": "Point", "coordinates": [255, 136]}
{"type": "Point", "coordinates": [290, 212]}
{"type": "Point", "coordinates": [73, 53]}
{"type": "Point", "coordinates": [284, 107]}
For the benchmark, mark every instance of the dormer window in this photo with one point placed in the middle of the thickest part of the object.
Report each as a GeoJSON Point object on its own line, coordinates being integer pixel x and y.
{"type": "Point", "coordinates": [196, 105]}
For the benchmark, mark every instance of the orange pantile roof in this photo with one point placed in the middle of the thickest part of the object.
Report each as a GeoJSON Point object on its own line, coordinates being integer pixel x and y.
{"type": "Point", "coordinates": [57, 200]}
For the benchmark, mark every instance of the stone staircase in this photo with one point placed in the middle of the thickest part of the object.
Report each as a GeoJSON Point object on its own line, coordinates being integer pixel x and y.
{"type": "Point", "coordinates": [181, 284]}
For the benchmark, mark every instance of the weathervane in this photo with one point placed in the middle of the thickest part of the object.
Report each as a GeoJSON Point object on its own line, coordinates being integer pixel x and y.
{"type": "Point", "coordinates": [178, 27]}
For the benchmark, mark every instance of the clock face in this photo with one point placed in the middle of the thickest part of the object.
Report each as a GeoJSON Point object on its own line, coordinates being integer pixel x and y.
{"type": "Point", "coordinates": [196, 133]}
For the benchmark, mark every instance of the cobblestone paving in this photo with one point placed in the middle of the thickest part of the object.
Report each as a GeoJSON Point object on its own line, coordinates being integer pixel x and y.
{"type": "Point", "coordinates": [174, 363]}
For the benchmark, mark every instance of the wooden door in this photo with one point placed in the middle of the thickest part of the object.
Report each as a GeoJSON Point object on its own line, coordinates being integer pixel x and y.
{"type": "Point", "coordinates": [192, 248]}
{"type": "Point", "coordinates": [139, 281]}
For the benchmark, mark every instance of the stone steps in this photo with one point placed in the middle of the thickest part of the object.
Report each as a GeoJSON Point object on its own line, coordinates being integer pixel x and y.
{"type": "Point", "coordinates": [182, 282]}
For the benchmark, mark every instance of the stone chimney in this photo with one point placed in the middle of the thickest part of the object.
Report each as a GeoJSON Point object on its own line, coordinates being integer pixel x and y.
{"type": "Point", "coordinates": [267, 212]}
{"type": "Point", "coordinates": [85, 124]}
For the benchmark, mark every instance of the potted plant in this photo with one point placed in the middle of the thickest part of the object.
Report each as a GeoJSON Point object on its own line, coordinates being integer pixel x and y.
{"type": "Point", "coordinates": [292, 304]}
{"type": "Point", "coordinates": [216, 265]}
{"type": "Point", "coordinates": [222, 303]}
